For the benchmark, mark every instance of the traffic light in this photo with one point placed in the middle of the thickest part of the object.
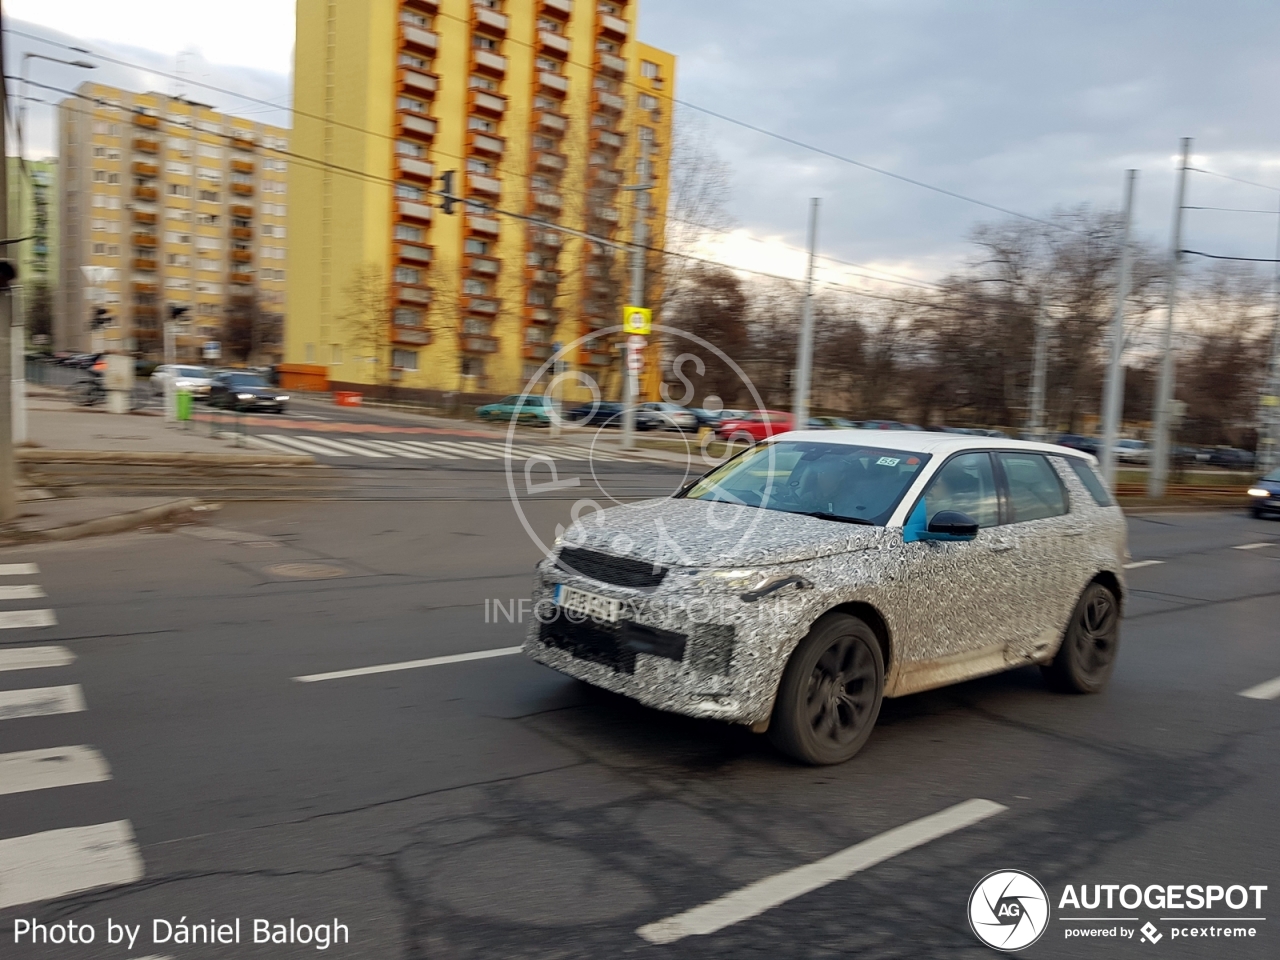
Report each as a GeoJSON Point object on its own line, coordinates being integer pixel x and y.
{"type": "Point", "coordinates": [447, 197]}
{"type": "Point", "coordinates": [101, 318]}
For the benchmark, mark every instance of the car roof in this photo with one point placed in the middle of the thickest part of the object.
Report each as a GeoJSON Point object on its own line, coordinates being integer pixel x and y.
{"type": "Point", "coordinates": [921, 441]}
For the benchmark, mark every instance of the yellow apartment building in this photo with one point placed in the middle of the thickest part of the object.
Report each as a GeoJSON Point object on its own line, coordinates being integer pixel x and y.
{"type": "Point", "coordinates": [542, 110]}
{"type": "Point", "coordinates": [180, 212]}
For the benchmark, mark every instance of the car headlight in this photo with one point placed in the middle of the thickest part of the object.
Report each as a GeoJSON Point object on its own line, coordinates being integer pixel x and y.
{"type": "Point", "coordinates": [283, 397]}
{"type": "Point", "coordinates": [244, 396]}
{"type": "Point", "coordinates": [1259, 492]}
{"type": "Point", "coordinates": [183, 384]}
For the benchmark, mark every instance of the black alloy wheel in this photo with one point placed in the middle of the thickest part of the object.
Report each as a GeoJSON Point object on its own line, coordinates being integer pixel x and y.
{"type": "Point", "coordinates": [1087, 656]}
{"type": "Point", "coordinates": [830, 693]}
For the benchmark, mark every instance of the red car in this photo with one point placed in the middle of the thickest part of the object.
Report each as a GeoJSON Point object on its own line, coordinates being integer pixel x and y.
{"type": "Point", "coordinates": [758, 425]}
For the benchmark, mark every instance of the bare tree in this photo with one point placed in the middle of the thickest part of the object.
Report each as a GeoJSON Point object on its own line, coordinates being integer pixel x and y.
{"type": "Point", "coordinates": [367, 320]}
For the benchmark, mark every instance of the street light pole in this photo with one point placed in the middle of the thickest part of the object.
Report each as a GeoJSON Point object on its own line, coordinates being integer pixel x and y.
{"type": "Point", "coordinates": [1114, 402]}
{"type": "Point", "coordinates": [1159, 475]}
{"type": "Point", "coordinates": [1269, 421]}
{"type": "Point", "coordinates": [630, 382]}
{"type": "Point", "coordinates": [804, 352]}
{"type": "Point", "coordinates": [1039, 373]}
{"type": "Point", "coordinates": [8, 496]}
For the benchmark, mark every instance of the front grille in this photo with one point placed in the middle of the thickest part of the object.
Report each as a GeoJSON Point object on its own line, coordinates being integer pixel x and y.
{"type": "Point", "coordinates": [619, 571]}
{"type": "Point", "coordinates": [613, 645]}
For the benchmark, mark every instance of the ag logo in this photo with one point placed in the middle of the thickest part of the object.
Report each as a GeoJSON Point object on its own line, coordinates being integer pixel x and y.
{"type": "Point", "coordinates": [1008, 910]}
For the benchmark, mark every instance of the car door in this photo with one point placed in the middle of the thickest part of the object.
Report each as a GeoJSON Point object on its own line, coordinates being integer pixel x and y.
{"type": "Point", "coordinates": [958, 619]}
{"type": "Point", "coordinates": [1046, 541]}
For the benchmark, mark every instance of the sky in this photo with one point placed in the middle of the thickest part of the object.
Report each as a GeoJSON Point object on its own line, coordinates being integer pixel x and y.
{"type": "Point", "coordinates": [1027, 106]}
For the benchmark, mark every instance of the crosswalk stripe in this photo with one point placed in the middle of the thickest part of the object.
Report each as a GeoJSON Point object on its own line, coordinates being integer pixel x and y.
{"type": "Point", "coordinates": [18, 569]}
{"type": "Point", "coordinates": [21, 591]}
{"type": "Point", "coordinates": [473, 454]}
{"type": "Point", "coordinates": [35, 658]}
{"type": "Point", "coordinates": [41, 702]}
{"type": "Point", "coordinates": [372, 448]}
{"type": "Point", "coordinates": [45, 769]}
{"type": "Point", "coordinates": [16, 619]}
{"type": "Point", "coordinates": [399, 449]}
{"type": "Point", "coordinates": [264, 444]}
{"type": "Point", "coordinates": [44, 866]}
{"type": "Point", "coordinates": [298, 443]}
{"type": "Point", "coordinates": [346, 448]}
{"type": "Point", "coordinates": [432, 449]}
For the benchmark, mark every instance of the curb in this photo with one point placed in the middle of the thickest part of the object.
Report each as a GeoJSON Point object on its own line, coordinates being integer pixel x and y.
{"type": "Point", "coordinates": [165, 458]}
{"type": "Point", "coordinates": [116, 523]}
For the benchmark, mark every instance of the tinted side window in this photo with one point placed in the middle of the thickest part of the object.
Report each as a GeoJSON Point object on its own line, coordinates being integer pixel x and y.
{"type": "Point", "coordinates": [1092, 482]}
{"type": "Point", "coordinates": [1035, 492]}
{"type": "Point", "coordinates": [965, 484]}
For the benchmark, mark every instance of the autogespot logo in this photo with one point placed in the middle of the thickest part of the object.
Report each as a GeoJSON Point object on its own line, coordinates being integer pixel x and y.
{"type": "Point", "coordinates": [1008, 910]}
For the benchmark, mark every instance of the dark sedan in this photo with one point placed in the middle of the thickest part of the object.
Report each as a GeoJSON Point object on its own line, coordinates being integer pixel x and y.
{"type": "Point", "coordinates": [606, 414]}
{"type": "Point", "coordinates": [1075, 441]}
{"type": "Point", "coordinates": [1231, 458]}
{"type": "Point", "coordinates": [1264, 495]}
{"type": "Point", "coordinates": [237, 390]}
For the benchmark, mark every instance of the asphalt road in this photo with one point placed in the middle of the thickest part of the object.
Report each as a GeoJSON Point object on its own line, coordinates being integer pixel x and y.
{"type": "Point", "coordinates": [493, 808]}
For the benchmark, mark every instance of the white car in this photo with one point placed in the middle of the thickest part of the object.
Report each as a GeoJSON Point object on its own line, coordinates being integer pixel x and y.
{"type": "Point", "coordinates": [1133, 451]}
{"type": "Point", "coordinates": [184, 377]}
{"type": "Point", "coordinates": [796, 585]}
{"type": "Point", "coordinates": [674, 416]}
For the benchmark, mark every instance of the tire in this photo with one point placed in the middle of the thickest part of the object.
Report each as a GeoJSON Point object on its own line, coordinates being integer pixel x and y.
{"type": "Point", "coordinates": [1084, 662]}
{"type": "Point", "coordinates": [830, 693]}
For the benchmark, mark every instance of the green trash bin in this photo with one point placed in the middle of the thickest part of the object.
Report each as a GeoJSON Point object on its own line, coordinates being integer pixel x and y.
{"type": "Point", "coordinates": [184, 405]}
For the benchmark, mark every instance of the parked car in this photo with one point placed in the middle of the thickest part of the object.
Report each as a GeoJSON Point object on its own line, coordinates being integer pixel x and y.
{"type": "Point", "coordinates": [673, 416]}
{"type": "Point", "coordinates": [195, 379]}
{"type": "Point", "coordinates": [522, 407]}
{"type": "Point", "coordinates": [1264, 496]}
{"type": "Point", "coordinates": [608, 414]}
{"type": "Point", "coordinates": [873, 567]}
{"type": "Point", "coordinates": [755, 426]}
{"type": "Point", "coordinates": [239, 390]}
{"type": "Point", "coordinates": [1074, 441]}
{"type": "Point", "coordinates": [881, 425]}
{"type": "Point", "coordinates": [1232, 458]}
{"type": "Point", "coordinates": [1133, 451]}
{"type": "Point", "coordinates": [832, 423]}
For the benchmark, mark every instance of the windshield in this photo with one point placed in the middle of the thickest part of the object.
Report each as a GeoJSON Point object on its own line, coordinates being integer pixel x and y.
{"type": "Point", "coordinates": [1273, 476]}
{"type": "Point", "coordinates": [834, 481]}
{"type": "Point", "coordinates": [194, 372]}
{"type": "Point", "coordinates": [246, 380]}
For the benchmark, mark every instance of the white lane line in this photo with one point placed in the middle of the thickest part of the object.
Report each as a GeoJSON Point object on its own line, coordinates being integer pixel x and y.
{"type": "Point", "coordinates": [263, 443]}
{"type": "Point", "coordinates": [410, 664]}
{"type": "Point", "coordinates": [314, 450]}
{"type": "Point", "coordinates": [44, 866]}
{"type": "Point", "coordinates": [431, 449]}
{"type": "Point", "coordinates": [22, 591]}
{"type": "Point", "coordinates": [18, 619]}
{"type": "Point", "coordinates": [1253, 546]}
{"type": "Point", "coordinates": [35, 658]}
{"type": "Point", "coordinates": [41, 702]}
{"type": "Point", "coordinates": [19, 569]}
{"type": "Point", "coordinates": [770, 892]}
{"type": "Point", "coordinates": [1263, 691]}
{"type": "Point", "coordinates": [399, 449]}
{"type": "Point", "coordinates": [348, 448]}
{"type": "Point", "coordinates": [1139, 564]}
{"type": "Point", "coordinates": [44, 769]}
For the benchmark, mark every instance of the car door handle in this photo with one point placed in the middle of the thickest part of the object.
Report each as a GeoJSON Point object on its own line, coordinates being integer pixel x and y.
{"type": "Point", "coordinates": [1002, 546]}
{"type": "Point", "coordinates": [1073, 532]}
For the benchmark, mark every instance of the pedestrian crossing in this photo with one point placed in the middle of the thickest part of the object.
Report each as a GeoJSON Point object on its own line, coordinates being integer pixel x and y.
{"type": "Point", "coordinates": [377, 449]}
{"type": "Point", "coordinates": [52, 863]}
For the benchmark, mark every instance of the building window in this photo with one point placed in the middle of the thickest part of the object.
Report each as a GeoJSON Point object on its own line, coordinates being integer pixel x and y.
{"type": "Point", "coordinates": [479, 166]}
{"type": "Point", "coordinates": [606, 46]}
{"type": "Point", "coordinates": [473, 366]}
{"type": "Point", "coordinates": [483, 83]}
{"type": "Point", "coordinates": [483, 43]}
{"type": "Point", "coordinates": [475, 288]}
{"type": "Point", "coordinates": [409, 60]}
{"type": "Point", "coordinates": [648, 102]}
{"type": "Point", "coordinates": [310, 353]}
{"type": "Point", "coordinates": [472, 325]}
{"type": "Point", "coordinates": [548, 66]}
{"type": "Point", "coordinates": [113, 250]}
{"type": "Point", "coordinates": [407, 317]}
{"type": "Point", "coordinates": [404, 231]}
{"type": "Point", "coordinates": [179, 190]}
{"type": "Point", "coordinates": [409, 103]}
{"type": "Point", "coordinates": [416, 19]}
{"type": "Point", "coordinates": [407, 148]}
{"type": "Point", "coordinates": [407, 191]}
{"type": "Point", "coordinates": [408, 275]}
{"type": "Point", "coordinates": [99, 176]}
{"type": "Point", "coordinates": [405, 359]}
{"type": "Point", "coordinates": [207, 219]}
{"type": "Point", "coordinates": [480, 247]}
{"type": "Point", "coordinates": [648, 70]}
{"type": "Point", "coordinates": [479, 123]}
{"type": "Point", "coordinates": [100, 249]}
{"type": "Point", "coordinates": [209, 196]}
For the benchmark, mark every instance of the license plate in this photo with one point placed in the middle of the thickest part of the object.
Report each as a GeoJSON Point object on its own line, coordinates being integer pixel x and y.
{"type": "Point", "coordinates": [588, 604]}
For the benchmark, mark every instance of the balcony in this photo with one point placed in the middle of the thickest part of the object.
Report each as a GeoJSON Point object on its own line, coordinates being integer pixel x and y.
{"type": "Point", "coordinates": [610, 102]}
{"type": "Point", "coordinates": [560, 9]}
{"type": "Point", "coordinates": [537, 351]}
{"type": "Point", "coordinates": [609, 63]}
{"type": "Point", "coordinates": [488, 103]}
{"type": "Point", "coordinates": [484, 225]}
{"type": "Point", "coordinates": [484, 143]}
{"type": "Point", "coordinates": [608, 214]}
{"type": "Point", "coordinates": [409, 210]}
{"type": "Point", "coordinates": [419, 39]}
{"type": "Point", "coordinates": [553, 83]}
{"type": "Point", "coordinates": [607, 138]}
{"type": "Point", "coordinates": [144, 216]}
{"type": "Point", "coordinates": [482, 266]}
{"type": "Point", "coordinates": [550, 161]}
{"type": "Point", "coordinates": [244, 279]}
{"type": "Point", "coordinates": [242, 189]}
{"type": "Point", "coordinates": [489, 62]}
{"type": "Point", "coordinates": [540, 315]}
{"type": "Point", "coordinates": [421, 84]}
{"type": "Point", "coordinates": [242, 166]}
{"type": "Point", "coordinates": [411, 124]}
{"type": "Point", "coordinates": [554, 44]}
{"type": "Point", "coordinates": [608, 177]}
{"type": "Point", "coordinates": [481, 306]}
{"type": "Point", "coordinates": [553, 122]}
{"type": "Point", "coordinates": [146, 145]}
{"type": "Point", "coordinates": [417, 296]}
{"type": "Point", "coordinates": [426, 6]}
{"type": "Point", "coordinates": [146, 120]}
{"type": "Point", "coordinates": [241, 211]}
{"type": "Point", "coordinates": [614, 27]}
{"type": "Point", "coordinates": [146, 193]}
{"type": "Point", "coordinates": [242, 142]}
{"type": "Point", "coordinates": [480, 344]}
{"type": "Point", "coordinates": [145, 288]}
{"type": "Point", "coordinates": [411, 253]}
{"type": "Point", "coordinates": [242, 256]}
{"type": "Point", "coordinates": [411, 335]}
{"type": "Point", "coordinates": [242, 233]}
{"type": "Point", "coordinates": [482, 184]}
{"type": "Point", "coordinates": [416, 169]}
{"type": "Point", "coordinates": [548, 201]}
{"type": "Point", "coordinates": [489, 21]}
{"type": "Point", "coordinates": [144, 239]}
{"type": "Point", "coordinates": [146, 264]}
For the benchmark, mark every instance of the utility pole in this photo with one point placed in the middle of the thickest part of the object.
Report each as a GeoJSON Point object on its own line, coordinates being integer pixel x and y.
{"type": "Point", "coordinates": [1114, 401]}
{"type": "Point", "coordinates": [1159, 475]}
{"type": "Point", "coordinates": [804, 354]}
{"type": "Point", "coordinates": [1269, 421]}
{"type": "Point", "coordinates": [630, 382]}
{"type": "Point", "coordinates": [8, 498]}
{"type": "Point", "coordinates": [1039, 373]}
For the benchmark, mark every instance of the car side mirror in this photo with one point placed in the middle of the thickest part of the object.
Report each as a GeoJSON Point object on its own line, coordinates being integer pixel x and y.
{"type": "Point", "coordinates": [952, 525]}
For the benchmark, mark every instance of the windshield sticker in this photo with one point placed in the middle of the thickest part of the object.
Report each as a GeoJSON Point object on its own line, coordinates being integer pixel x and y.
{"type": "Point", "coordinates": [888, 461]}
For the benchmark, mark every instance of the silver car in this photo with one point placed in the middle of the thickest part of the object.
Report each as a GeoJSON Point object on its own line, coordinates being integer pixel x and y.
{"type": "Point", "coordinates": [184, 377]}
{"type": "Point", "coordinates": [795, 586]}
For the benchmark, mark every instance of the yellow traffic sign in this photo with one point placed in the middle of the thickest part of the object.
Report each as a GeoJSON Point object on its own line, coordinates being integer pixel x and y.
{"type": "Point", "coordinates": [637, 320]}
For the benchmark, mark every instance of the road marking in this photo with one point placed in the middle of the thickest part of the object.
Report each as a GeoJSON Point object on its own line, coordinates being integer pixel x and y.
{"type": "Point", "coordinates": [1139, 564]}
{"type": "Point", "coordinates": [410, 665]}
{"type": "Point", "coordinates": [399, 449]}
{"type": "Point", "coordinates": [41, 702]}
{"type": "Point", "coordinates": [770, 892]}
{"type": "Point", "coordinates": [346, 448]}
{"type": "Point", "coordinates": [466, 451]}
{"type": "Point", "coordinates": [44, 769]}
{"type": "Point", "coordinates": [1253, 546]}
{"type": "Point", "coordinates": [295, 443]}
{"type": "Point", "coordinates": [431, 449]}
{"type": "Point", "coordinates": [44, 866]}
{"type": "Point", "coordinates": [21, 591]}
{"type": "Point", "coordinates": [19, 569]}
{"type": "Point", "coordinates": [1263, 691]}
{"type": "Point", "coordinates": [35, 658]}
{"type": "Point", "coordinates": [264, 444]}
{"type": "Point", "coordinates": [16, 619]}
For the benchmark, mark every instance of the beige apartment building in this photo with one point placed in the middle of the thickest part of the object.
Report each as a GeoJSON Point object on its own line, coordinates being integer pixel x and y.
{"type": "Point", "coordinates": [179, 211]}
